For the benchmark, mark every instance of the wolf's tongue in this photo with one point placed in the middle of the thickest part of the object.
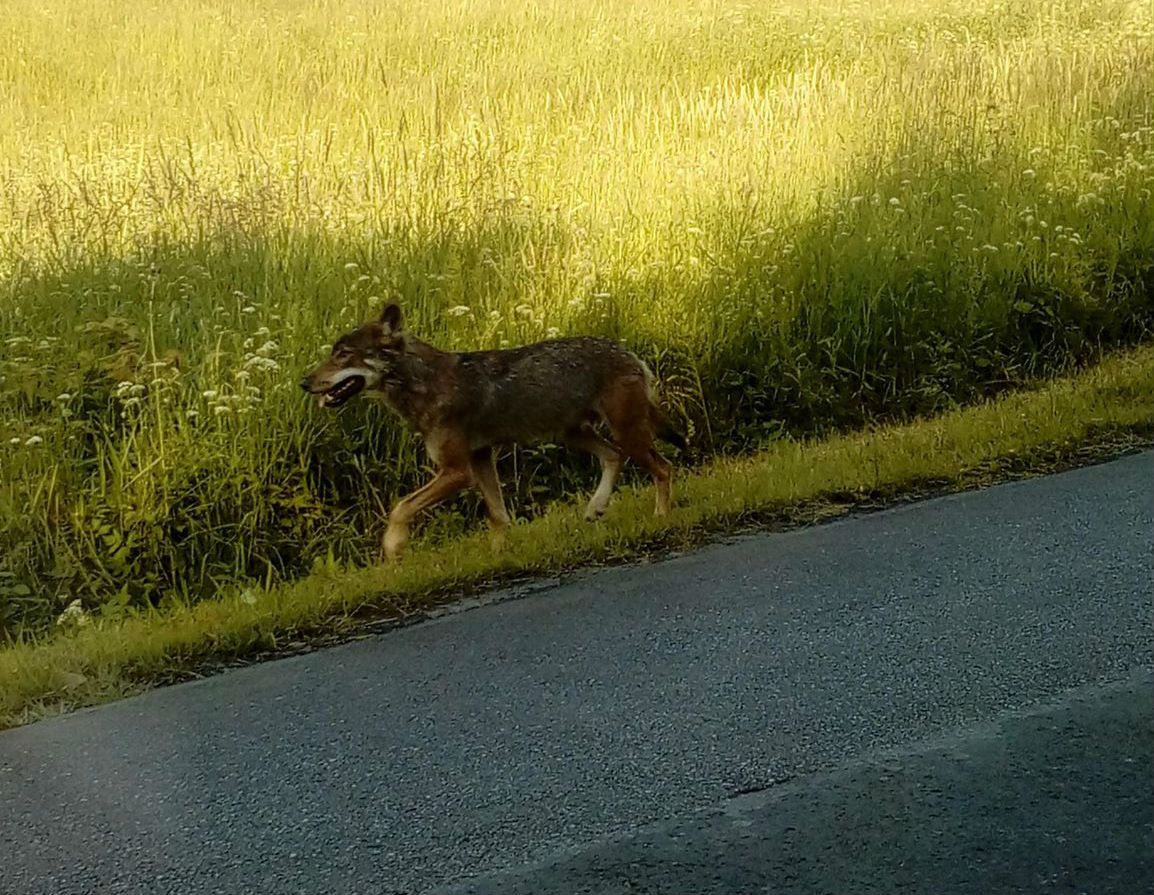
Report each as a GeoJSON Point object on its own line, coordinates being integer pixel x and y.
{"type": "Point", "coordinates": [342, 391]}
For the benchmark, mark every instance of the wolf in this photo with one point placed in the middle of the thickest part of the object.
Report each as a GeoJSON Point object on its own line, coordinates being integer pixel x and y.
{"type": "Point", "coordinates": [466, 405]}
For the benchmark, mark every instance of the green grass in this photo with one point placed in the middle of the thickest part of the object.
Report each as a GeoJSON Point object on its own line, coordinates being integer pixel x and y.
{"type": "Point", "coordinates": [105, 658]}
{"type": "Point", "coordinates": [807, 217]}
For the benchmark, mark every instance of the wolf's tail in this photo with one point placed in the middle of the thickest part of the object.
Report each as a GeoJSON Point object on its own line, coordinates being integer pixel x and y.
{"type": "Point", "coordinates": [663, 428]}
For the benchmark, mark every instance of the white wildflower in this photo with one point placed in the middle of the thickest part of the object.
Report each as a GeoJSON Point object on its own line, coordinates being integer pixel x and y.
{"type": "Point", "coordinates": [33, 440]}
{"type": "Point", "coordinates": [458, 311]}
{"type": "Point", "coordinates": [264, 364]}
{"type": "Point", "coordinates": [74, 615]}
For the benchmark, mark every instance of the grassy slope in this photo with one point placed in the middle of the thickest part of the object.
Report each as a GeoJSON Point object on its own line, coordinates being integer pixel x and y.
{"type": "Point", "coordinates": [1108, 403]}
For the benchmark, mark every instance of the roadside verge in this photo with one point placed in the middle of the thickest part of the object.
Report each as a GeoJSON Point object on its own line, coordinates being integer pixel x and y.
{"type": "Point", "coordinates": [1099, 412]}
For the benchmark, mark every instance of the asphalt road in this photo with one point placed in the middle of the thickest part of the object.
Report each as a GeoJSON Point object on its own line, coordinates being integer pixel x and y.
{"type": "Point", "coordinates": [951, 696]}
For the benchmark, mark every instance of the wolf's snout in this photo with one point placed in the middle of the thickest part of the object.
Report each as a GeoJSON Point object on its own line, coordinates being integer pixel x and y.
{"type": "Point", "coordinates": [307, 383]}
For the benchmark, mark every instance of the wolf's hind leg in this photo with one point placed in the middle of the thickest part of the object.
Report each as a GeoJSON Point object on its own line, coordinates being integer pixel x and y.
{"type": "Point", "coordinates": [661, 470]}
{"type": "Point", "coordinates": [585, 439]}
{"type": "Point", "coordinates": [628, 410]}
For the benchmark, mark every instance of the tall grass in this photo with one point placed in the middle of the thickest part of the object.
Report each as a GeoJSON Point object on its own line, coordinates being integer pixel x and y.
{"type": "Point", "coordinates": [805, 216]}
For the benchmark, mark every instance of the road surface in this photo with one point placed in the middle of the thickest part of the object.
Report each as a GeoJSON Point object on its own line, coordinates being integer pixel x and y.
{"type": "Point", "coordinates": [955, 695]}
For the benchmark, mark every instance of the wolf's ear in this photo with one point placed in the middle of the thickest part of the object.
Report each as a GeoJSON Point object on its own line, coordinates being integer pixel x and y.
{"type": "Point", "coordinates": [391, 318]}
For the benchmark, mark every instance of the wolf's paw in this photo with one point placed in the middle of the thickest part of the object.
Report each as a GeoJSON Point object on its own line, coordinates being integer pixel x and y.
{"type": "Point", "coordinates": [394, 544]}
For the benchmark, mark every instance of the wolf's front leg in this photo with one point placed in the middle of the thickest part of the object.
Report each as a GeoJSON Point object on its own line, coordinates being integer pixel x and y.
{"type": "Point", "coordinates": [483, 463]}
{"type": "Point", "coordinates": [445, 484]}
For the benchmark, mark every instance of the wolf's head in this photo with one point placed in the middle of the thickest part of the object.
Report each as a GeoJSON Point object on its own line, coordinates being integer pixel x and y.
{"type": "Point", "coordinates": [362, 359]}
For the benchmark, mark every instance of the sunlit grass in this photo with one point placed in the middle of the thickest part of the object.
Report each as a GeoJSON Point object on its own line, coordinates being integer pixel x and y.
{"type": "Point", "coordinates": [804, 216]}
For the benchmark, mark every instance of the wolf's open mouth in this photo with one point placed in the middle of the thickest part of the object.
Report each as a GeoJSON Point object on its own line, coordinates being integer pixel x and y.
{"type": "Point", "coordinates": [342, 391]}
